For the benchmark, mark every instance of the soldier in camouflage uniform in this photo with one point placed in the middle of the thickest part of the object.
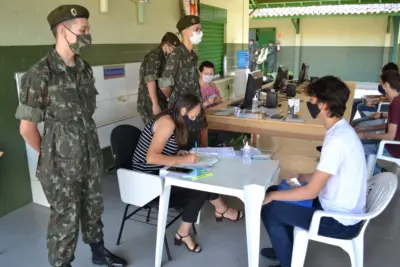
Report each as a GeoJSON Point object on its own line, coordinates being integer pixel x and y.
{"type": "Point", "coordinates": [59, 90]}
{"type": "Point", "coordinates": [151, 100]}
{"type": "Point", "coordinates": [181, 76]}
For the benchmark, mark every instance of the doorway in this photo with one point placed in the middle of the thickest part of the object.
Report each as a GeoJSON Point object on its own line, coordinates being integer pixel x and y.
{"type": "Point", "coordinates": [263, 37]}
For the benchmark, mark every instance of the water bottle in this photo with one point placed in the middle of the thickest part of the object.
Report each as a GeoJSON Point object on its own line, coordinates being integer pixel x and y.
{"type": "Point", "coordinates": [254, 104]}
{"type": "Point", "coordinates": [246, 154]}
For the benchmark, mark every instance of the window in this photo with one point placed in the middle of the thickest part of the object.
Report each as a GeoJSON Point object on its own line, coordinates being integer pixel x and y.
{"type": "Point", "coordinates": [212, 47]}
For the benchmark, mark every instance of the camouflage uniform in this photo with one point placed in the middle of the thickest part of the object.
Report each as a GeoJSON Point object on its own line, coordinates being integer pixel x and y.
{"type": "Point", "coordinates": [182, 76]}
{"type": "Point", "coordinates": [70, 161]}
{"type": "Point", "coordinates": [150, 70]}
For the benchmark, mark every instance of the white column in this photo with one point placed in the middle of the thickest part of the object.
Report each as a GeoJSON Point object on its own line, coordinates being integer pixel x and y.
{"type": "Point", "coordinates": [297, 55]}
{"type": "Point", "coordinates": [386, 48]}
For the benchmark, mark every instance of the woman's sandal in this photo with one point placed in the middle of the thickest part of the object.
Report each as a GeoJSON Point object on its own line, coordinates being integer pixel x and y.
{"type": "Point", "coordinates": [179, 241]}
{"type": "Point", "coordinates": [239, 216]}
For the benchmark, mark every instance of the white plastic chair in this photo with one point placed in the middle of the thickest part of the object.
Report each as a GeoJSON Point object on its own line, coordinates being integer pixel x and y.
{"type": "Point", "coordinates": [384, 186]}
{"type": "Point", "coordinates": [372, 159]}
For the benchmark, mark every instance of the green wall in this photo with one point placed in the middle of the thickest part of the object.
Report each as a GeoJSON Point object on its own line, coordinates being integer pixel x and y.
{"type": "Point", "coordinates": [15, 190]}
{"type": "Point", "coordinates": [361, 64]}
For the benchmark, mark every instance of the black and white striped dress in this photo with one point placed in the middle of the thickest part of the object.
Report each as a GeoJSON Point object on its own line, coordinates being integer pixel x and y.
{"type": "Point", "coordinates": [139, 157]}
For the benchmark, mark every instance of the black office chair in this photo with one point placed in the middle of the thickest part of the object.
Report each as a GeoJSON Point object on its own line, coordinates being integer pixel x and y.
{"type": "Point", "coordinates": [124, 139]}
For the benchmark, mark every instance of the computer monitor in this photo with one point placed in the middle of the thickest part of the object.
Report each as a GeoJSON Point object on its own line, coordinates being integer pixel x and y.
{"type": "Point", "coordinates": [303, 75]}
{"type": "Point", "coordinates": [254, 83]}
{"type": "Point", "coordinates": [281, 77]}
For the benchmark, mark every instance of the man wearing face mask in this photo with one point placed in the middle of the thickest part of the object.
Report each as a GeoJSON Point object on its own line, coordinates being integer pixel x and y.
{"type": "Point", "coordinates": [180, 75]}
{"type": "Point", "coordinates": [339, 184]}
{"type": "Point", "coordinates": [151, 100]}
{"type": "Point", "coordinates": [59, 90]}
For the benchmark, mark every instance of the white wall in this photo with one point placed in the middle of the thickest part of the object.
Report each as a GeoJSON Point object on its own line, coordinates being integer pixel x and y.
{"type": "Point", "coordinates": [24, 22]}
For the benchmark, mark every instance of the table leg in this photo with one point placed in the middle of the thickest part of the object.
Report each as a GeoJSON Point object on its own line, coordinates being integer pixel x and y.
{"type": "Point", "coordinates": [162, 222]}
{"type": "Point", "coordinates": [204, 138]}
{"type": "Point", "coordinates": [253, 198]}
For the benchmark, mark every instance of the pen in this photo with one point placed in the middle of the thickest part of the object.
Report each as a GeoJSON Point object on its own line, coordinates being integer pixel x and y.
{"type": "Point", "coordinates": [195, 145]}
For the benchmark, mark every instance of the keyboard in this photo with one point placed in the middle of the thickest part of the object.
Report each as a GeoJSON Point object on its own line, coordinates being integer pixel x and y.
{"type": "Point", "coordinates": [238, 103]}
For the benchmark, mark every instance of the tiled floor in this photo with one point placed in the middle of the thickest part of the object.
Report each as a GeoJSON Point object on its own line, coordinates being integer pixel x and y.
{"type": "Point", "coordinates": [23, 244]}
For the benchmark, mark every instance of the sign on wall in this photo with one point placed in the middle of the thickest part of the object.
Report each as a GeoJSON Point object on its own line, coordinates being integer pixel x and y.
{"type": "Point", "coordinates": [112, 72]}
{"type": "Point", "coordinates": [190, 7]}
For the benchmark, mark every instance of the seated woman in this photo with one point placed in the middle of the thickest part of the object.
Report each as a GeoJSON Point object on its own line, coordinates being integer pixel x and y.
{"type": "Point", "coordinates": [211, 97]}
{"type": "Point", "coordinates": [158, 146]}
{"type": "Point", "coordinates": [390, 81]}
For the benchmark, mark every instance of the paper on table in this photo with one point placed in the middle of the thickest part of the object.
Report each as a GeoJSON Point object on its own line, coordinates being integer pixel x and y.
{"type": "Point", "coordinates": [206, 160]}
{"type": "Point", "coordinates": [221, 152]}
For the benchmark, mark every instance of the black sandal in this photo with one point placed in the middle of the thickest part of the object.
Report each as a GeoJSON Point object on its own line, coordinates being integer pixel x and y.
{"type": "Point", "coordinates": [179, 241]}
{"type": "Point", "coordinates": [239, 216]}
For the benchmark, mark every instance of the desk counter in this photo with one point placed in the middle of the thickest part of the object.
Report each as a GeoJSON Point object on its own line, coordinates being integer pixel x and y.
{"type": "Point", "coordinates": [311, 129]}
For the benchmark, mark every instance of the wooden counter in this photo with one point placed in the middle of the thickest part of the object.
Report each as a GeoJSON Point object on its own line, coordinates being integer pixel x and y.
{"type": "Point", "coordinates": [311, 129]}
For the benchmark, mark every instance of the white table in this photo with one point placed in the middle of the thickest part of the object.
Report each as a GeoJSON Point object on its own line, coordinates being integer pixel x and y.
{"type": "Point", "coordinates": [231, 177]}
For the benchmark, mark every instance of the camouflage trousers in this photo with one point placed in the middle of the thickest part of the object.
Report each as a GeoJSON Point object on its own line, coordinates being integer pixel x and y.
{"type": "Point", "coordinates": [73, 201]}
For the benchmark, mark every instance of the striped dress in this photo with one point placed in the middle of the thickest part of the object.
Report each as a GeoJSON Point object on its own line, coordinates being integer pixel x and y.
{"type": "Point", "coordinates": [139, 156]}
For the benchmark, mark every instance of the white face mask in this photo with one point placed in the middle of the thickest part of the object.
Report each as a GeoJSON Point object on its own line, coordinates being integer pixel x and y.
{"type": "Point", "coordinates": [207, 78]}
{"type": "Point", "coordinates": [196, 38]}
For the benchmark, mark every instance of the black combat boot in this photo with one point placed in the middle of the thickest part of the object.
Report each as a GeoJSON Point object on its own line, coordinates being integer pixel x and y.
{"type": "Point", "coordinates": [103, 257]}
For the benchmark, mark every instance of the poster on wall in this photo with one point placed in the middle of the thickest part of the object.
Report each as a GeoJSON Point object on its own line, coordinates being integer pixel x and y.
{"type": "Point", "coordinates": [190, 7]}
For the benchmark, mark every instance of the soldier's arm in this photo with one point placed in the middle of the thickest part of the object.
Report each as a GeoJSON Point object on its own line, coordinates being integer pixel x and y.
{"type": "Point", "coordinates": [31, 109]}
{"type": "Point", "coordinates": [152, 65]}
{"type": "Point", "coordinates": [167, 79]}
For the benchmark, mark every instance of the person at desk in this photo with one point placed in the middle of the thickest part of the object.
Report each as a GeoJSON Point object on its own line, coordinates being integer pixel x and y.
{"type": "Point", "coordinates": [338, 184]}
{"type": "Point", "coordinates": [151, 101]}
{"type": "Point", "coordinates": [391, 83]}
{"type": "Point", "coordinates": [180, 75]}
{"type": "Point", "coordinates": [372, 103]}
{"type": "Point", "coordinates": [209, 91]}
{"type": "Point", "coordinates": [158, 146]}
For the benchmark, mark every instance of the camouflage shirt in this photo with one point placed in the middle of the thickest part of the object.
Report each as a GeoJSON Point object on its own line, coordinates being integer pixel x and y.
{"type": "Point", "coordinates": [181, 73]}
{"type": "Point", "coordinates": [65, 102]}
{"type": "Point", "coordinates": [150, 70]}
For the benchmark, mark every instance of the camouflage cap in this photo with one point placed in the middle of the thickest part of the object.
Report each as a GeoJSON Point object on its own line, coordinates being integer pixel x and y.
{"type": "Point", "coordinates": [66, 12]}
{"type": "Point", "coordinates": [171, 38]}
{"type": "Point", "coordinates": [187, 21]}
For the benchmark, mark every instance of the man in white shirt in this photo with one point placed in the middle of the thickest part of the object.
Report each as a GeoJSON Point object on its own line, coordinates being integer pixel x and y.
{"type": "Point", "coordinates": [339, 183]}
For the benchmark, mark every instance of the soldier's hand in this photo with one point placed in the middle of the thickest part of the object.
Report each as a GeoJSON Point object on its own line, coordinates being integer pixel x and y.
{"type": "Point", "coordinates": [156, 109]}
{"type": "Point", "coordinates": [191, 158]}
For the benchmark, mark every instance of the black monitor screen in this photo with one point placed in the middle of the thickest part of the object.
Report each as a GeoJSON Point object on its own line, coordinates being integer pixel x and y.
{"type": "Point", "coordinates": [281, 77]}
{"type": "Point", "coordinates": [254, 83]}
{"type": "Point", "coordinates": [303, 75]}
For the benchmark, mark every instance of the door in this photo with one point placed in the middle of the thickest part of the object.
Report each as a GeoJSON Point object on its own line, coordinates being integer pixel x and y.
{"type": "Point", "coordinates": [264, 36]}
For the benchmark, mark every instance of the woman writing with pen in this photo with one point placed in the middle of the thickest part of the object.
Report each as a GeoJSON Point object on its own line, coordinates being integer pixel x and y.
{"type": "Point", "coordinates": [158, 146]}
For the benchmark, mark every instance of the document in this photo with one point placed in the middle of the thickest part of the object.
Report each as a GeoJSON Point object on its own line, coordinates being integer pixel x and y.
{"type": "Point", "coordinates": [221, 152]}
{"type": "Point", "coordinates": [206, 160]}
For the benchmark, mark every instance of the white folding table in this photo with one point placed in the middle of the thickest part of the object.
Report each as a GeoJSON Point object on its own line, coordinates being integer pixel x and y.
{"type": "Point", "coordinates": [233, 178]}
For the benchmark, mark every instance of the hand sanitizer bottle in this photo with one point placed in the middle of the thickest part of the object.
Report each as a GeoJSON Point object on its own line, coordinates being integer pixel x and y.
{"type": "Point", "coordinates": [246, 154]}
{"type": "Point", "coordinates": [254, 104]}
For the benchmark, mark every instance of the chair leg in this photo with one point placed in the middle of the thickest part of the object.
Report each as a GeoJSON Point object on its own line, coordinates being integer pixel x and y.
{"type": "Point", "coordinates": [167, 248]}
{"type": "Point", "coordinates": [300, 244]}
{"type": "Point", "coordinates": [358, 247]}
{"type": "Point", "coordinates": [194, 229]}
{"type": "Point", "coordinates": [122, 224]}
{"type": "Point", "coordinates": [148, 215]}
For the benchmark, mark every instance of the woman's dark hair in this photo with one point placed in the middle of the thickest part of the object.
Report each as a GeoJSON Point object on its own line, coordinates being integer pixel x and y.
{"type": "Point", "coordinates": [390, 66]}
{"type": "Point", "coordinates": [188, 101]}
{"type": "Point", "coordinates": [333, 92]}
{"type": "Point", "coordinates": [206, 64]}
{"type": "Point", "coordinates": [392, 77]}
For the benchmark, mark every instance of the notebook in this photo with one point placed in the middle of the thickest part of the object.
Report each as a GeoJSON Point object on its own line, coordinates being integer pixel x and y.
{"type": "Point", "coordinates": [206, 160]}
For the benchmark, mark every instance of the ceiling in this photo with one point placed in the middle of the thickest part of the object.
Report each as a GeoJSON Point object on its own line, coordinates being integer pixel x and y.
{"type": "Point", "coordinates": [298, 3]}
